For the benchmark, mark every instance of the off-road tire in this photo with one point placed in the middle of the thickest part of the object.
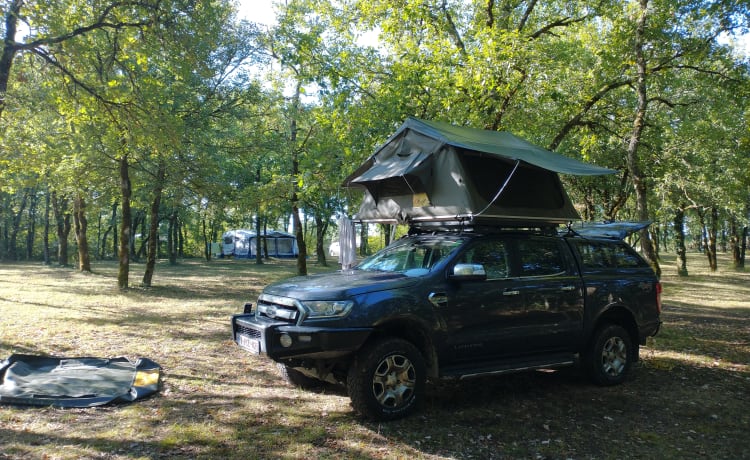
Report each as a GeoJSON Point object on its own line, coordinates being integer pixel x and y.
{"type": "Point", "coordinates": [610, 355]}
{"type": "Point", "coordinates": [386, 380]}
{"type": "Point", "coordinates": [297, 379]}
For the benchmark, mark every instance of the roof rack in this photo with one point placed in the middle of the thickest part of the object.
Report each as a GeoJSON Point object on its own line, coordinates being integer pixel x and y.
{"type": "Point", "coordinates": [461, 226]}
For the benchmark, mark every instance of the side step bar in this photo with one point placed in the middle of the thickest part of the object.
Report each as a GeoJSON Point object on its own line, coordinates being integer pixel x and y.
{"type": "Point", "coordinates": [509, 367]}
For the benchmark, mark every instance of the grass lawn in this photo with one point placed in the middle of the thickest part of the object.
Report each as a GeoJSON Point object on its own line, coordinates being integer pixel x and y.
{"type": "Point", "coordinates": [689, 397]}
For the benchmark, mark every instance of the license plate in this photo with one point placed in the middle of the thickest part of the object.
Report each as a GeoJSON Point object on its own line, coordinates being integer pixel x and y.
{"type": "Point", "coordinates": [251, 345]}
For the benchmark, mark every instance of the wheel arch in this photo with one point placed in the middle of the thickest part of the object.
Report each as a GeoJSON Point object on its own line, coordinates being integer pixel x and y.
{"type": "Point", "coordinates": [414, 332]}
{"type": "Point", "coordinates": [620, 316]}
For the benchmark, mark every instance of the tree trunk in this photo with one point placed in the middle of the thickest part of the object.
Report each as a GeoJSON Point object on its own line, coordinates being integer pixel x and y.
{"type": "Point", "coordinates": [138, 218]}
{"type": "Point", "coordinates": [4, 211]}
{"type": "Point", "coordinates": [47, 204]}
{"type": "Point", "coordinates": [206, 241]}
{"type": "Point", "coordinates": [81, 226]}
{"type": "Point", "coordinates": [31, 227]}
{"type": "Point", "coordinates": [634, 169]}
{"type": "Point", "coordinates": [321, 225]}
{"type": "Point", "coordinates": [386, 229]}
{"type": "Point", "coordinates": [9, 48]}
{"type": "Point", "coordinates": [711, 247]}
{"type": "Point", "coordinates": [704, 231]}
{"type": "Point", "coordinates": [658, 236]}
{"type": "Point", "coordinates": [296, 222]}
{"type": "Point", "coordinates": [181, 238]}
{"type": "Point", "coordinates": [12, 252]}
{"type": "Point", "coordinates": [112, 227]}
{"type": "Point", "coordinates": [265, 240]}
{"type": "Point", "coordinates": [734, 241]}
{"type": "Point", "coordinates": [258, 239]}
{"type": "Point", "coordinates": [153, 231]}
{"type": "Point", "coordinates": [363, 246]}
{"type": "Point", "coordinates": [299, 234]}
{"type": "Point", "coordinates": [115, 234]}
{"type": "Point", "coordinates": [743, 247]}
{"type": "Point", "coordinates": [679, 232]}
{"type": "Point", "coordinates": [62, 220]}
{"type": "Point", "coordinates": [172, 237]}
{"type": "Point", "coordinates": [125, 229]}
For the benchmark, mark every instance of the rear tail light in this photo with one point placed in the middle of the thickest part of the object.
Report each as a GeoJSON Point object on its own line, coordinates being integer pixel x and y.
{"type": "Point", "coordinates": [659, 289]}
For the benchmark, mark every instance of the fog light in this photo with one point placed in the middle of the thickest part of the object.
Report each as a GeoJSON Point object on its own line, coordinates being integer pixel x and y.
{"type": "Point", "coordinates": [305, 338]}
{"type": "Point", "coordinates": [285, 340]}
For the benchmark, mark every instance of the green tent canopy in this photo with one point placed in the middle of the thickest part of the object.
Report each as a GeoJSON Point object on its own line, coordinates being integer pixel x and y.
{"type": "Point", "coordinates": [430, 171]}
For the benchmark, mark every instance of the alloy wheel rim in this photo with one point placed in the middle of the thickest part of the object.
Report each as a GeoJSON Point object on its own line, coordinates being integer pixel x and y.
{"type": "Point", "coordinates": [614, 356]}
{"type": "Point", "coordinates": [394, 381]}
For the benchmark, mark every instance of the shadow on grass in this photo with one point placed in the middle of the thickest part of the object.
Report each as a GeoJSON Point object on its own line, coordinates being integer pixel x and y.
{"type": "Point", "coordinates": [684, 399]}
{"type": "Point", "coordinates": [659, 413]}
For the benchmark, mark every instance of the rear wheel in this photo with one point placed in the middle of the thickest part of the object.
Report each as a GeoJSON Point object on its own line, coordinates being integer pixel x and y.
{"type": "Point", "coordinates": [610, 355]}
{"type": "Point", "coordinates": [387, 379]}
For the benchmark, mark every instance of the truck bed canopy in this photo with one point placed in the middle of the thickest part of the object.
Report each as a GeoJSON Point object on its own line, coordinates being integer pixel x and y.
{"type": "Point", "coordinates": [430, 171]}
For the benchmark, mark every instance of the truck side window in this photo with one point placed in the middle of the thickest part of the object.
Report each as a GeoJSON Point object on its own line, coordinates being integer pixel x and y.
{"type": "Point", "coordinates": [597, 256]}
{"type": "Point", "coordinates": [626, 257]}
{"type": "Point", "coordinates": [492, 254]}
{"type": "Point", "coordinates": [540, 257]}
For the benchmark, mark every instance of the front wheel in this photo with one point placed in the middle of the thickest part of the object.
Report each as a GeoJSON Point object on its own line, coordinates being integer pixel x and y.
{"type": "Point", "coordinates": [610, 355]}
{"type": "Point", "coordinates": [387, 379]}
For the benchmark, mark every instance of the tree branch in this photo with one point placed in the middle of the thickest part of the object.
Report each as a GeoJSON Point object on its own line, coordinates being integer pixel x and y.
{"type": "Point", "coordinates": [101, 23]}
{"type": "Point", "coordinates": [526, 15]}
{"type": "Point", "coordinates": [588, 105]}
{"type": "Point", "coordinates": [564, 22]}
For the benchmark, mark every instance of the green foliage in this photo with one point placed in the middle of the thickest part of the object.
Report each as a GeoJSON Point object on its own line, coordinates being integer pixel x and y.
{"type": "Point", "coordinates": [189, 86]}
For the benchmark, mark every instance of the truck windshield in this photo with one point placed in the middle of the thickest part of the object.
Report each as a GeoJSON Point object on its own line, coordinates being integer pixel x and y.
{"type": "Point", "coordinates": [412, 256]}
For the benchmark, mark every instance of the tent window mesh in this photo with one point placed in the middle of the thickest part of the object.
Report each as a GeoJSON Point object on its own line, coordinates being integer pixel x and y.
{"type": "Point", "coordinates": [529, 188]}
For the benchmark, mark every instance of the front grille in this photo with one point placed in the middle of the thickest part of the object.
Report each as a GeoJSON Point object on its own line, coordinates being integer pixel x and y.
{"type": "Point", "coordinates": [250, 332]}
{"type": "Point", "coordinates": [278, 308]}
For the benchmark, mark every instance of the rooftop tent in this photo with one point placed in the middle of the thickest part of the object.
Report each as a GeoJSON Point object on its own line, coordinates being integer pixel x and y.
{"type": "Point", "coordinates": [429, 171]}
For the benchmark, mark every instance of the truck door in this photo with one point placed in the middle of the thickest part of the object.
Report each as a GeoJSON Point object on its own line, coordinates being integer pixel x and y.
{"type": "Point", "coordinates": [480, 316]}
{"type": "Point", "coordinates": [530, 302]}
{"type": "Point", "coordinates": [552, 292]}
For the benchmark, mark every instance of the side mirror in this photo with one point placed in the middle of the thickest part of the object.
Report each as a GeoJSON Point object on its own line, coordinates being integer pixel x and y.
{"type": "Point", "coordinates": [468, 272]}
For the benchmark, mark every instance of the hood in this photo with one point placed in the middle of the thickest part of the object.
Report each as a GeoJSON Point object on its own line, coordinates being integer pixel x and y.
{"type": "Point", "coordinates": [339, 285]}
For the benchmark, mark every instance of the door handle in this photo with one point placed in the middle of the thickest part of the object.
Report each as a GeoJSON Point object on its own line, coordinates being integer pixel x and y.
{"type": "Point", "coordinates": [509, 293]}
{"type": "Point", "coordinates": [438, 299]}
{"type": "Point", "coordinates": [568, 288]}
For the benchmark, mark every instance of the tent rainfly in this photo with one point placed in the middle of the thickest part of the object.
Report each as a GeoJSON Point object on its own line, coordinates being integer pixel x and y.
{"type": "Point", "coordinates": [430, 171]}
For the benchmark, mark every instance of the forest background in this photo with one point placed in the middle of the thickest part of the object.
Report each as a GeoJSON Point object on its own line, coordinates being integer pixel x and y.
{"type": "Point", "coordinates": [133, 130]}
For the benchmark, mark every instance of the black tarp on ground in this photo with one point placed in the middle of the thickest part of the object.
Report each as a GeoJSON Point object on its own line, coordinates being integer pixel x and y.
{"type": "Point", "coordinates": [429, 171]}
{"type": "Point", "coordinates": [75, 382]}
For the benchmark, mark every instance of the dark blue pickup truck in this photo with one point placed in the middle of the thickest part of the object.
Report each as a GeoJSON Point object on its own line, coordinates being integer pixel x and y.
{"type": "Point", "coordinates": [447, 304]}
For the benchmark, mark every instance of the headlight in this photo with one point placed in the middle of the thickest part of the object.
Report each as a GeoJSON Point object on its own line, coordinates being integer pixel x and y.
{"type": "Point", "coordinates": [327, 308]}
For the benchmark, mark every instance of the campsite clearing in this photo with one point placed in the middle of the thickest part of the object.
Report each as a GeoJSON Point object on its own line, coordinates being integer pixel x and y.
{"type": "Point", "coordinates": [688, 396]}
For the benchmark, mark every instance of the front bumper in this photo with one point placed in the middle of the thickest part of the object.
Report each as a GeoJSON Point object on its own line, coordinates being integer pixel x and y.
{"type": "Point", "coordinates": [261, 336]}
